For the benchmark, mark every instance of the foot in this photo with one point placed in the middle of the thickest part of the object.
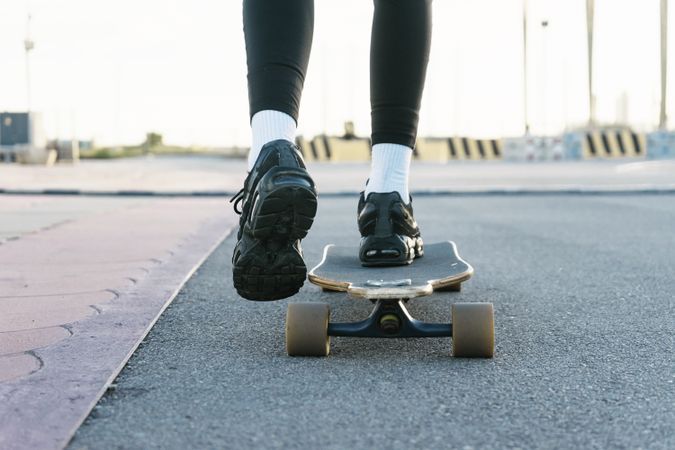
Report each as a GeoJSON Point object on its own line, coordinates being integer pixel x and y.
{"type": "Point", "coordinates": [278, 205]}
{"type": "Point", "coordinates": [389, 233]}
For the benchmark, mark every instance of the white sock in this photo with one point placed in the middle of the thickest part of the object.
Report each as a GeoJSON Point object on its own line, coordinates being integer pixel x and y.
{"type": "Point", "coordinates": [389, 170]}
{"type": "Point", "coordinates": [268, 126]}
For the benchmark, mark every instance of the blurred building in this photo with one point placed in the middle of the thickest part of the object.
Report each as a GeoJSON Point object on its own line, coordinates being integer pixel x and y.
{"type": "Point", "coordinates": [22, 138]}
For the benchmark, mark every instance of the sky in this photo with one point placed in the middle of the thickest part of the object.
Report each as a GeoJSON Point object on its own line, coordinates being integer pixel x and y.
{"type": "Point", "coordinates": [113, 70]}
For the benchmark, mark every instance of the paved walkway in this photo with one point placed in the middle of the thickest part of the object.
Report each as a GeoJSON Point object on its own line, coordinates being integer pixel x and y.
{"type": "Point", "coordinates": [209, 174]}
{"type": "Point", "coordinates": [81, 282]}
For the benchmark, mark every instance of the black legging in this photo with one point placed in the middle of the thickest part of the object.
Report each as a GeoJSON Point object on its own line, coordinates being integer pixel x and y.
{"type": "Point", "coordinates": [278, 43]}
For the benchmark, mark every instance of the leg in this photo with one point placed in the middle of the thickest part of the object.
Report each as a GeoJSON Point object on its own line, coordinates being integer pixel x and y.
{"type": "Point", "coordinates": [401, 39]}
{"type": "Point", "coordinates": [278, 43]}
{"type": "Point", "coordinates": [279, 200]}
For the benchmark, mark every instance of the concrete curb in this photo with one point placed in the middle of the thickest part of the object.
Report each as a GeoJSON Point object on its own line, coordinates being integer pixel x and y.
{"type": "Point", "coordinates": [480, 191]}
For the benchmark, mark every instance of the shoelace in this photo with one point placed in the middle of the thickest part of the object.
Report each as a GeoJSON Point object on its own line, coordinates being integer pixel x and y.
{"type": "Point", "coordinates": [237, 199]}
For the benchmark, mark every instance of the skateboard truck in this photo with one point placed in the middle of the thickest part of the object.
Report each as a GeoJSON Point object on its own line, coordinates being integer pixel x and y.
{"type": "Point", "coordinates": [308, 328]}
{"type": "Point", "coordinates": [390, 319]}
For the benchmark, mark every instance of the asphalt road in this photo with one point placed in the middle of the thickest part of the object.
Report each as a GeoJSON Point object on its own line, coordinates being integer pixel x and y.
{"type": "Point", "coordinates": [583, 290]}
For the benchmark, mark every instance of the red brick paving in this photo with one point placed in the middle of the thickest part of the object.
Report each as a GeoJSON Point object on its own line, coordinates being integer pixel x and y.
{"type": "Point", "coordinates": [78, 295]}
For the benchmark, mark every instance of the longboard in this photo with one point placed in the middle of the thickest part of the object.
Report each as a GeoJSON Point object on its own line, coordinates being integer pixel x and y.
{"type": "Point", "coordinates": [440, 268]}
{"type": "Point", "coordinates": [308, 326]}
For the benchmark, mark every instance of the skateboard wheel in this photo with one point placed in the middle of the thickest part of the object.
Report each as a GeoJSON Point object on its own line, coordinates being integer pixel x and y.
{"type": "Point", "coordinates": [307, 329]}
{"type": "Point", "coordinates": [473, 331]}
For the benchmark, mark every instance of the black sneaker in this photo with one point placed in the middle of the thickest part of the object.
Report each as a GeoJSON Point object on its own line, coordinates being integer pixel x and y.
{"type": "Point", "coordinates": [279, 203]}
{"type": "Point", "coordinates": [389, 234]}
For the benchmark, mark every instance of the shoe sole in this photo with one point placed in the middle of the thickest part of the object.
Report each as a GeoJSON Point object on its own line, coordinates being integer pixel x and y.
{"type": "Point", "coordinates": [266, 274]}
{"type": "Point", "coordinates": [283, 212]}
{"type": "Point", "coordinates": [284, 207]}
{"type": "Point", "coordinates": [394, 250]}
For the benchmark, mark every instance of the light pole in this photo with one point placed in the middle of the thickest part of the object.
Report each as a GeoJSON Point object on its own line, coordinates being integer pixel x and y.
{"type": "Point", "coordinates": [525, 78]}
{"type": "Point", "coordinates": [663, 116]}
{"type": "Point", "coordinates": [544, 73]}
{"type": "Point", "coordinates": [590, 17]}
{"type": "Point", "coordinates": [28, 45]}
{"type": "Point", "coordinates": [526, 117]}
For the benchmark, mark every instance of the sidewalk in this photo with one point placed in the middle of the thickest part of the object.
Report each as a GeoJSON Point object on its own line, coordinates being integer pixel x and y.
{"type": "Point", "coordinates": [220, 176]}
{"type": "Point", "coordinates": [81, 282]}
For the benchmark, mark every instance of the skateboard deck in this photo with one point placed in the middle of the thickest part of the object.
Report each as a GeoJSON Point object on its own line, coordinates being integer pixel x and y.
{"type": "Point", "coordinates": [441, 268]}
